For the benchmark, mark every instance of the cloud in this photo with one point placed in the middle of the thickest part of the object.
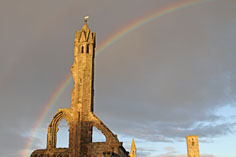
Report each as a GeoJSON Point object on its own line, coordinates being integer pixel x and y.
{"type": "Point", "coordinates": [171, 152]}
{"type": "Point", "coordinates": [182, 155]}
{"type": "Point", "coordinates": [171, 132]}
{"type": "Point", "coordinates": [13, 143]}
{"type": "Point", "coordinates": [172, 155]}
{"type": "Point", "coordinates": [142, 151]}
{"type": "Point", "coordinates": [170, 149]}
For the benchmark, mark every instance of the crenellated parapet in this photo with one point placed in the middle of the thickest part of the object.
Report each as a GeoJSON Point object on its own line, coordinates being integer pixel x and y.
{"type": "Point", "coordinates": [85, 35]}
{"type": "Point", "coordinates": [84, 39]}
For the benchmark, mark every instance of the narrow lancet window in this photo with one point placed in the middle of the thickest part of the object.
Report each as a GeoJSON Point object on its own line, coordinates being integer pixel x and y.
{"type": "Point", "coordinates": [82, 49]}
{"type": "Point", "coordinates": [63, 135]}
{"type": "Point", "coordinates": [88, 48]}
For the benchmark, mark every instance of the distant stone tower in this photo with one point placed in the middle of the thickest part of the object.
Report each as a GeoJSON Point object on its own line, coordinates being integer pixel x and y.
{"type": "Point", "coordinates": [80, 116]}
{"type": "Point", "coordinates": [133, 149]}
{"type": "Point", "coordinates": [192, 146]}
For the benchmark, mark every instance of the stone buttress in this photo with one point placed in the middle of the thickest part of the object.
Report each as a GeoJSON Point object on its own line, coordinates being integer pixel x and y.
{"type": "Point", "coordinates": [80, 116]}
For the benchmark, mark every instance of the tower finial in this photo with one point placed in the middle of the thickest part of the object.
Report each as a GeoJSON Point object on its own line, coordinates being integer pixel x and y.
{"type": "Point", "coordinates": [86, 18]}
{"type": "Point", "coordinates": [133, 149]}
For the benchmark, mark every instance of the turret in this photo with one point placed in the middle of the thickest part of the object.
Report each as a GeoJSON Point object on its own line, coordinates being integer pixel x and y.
{"type": "Point", "coordinates": [83, 69]}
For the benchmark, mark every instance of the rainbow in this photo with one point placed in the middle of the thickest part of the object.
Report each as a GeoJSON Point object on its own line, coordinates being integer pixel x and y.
{"type": "Point", "coordinates": [51, 102]}
{"type": "Point", "coordinates": [108, 42]}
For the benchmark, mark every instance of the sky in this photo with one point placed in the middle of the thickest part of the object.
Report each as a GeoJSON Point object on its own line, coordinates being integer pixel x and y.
{"type": "Point", "coordinates": [171, 77]}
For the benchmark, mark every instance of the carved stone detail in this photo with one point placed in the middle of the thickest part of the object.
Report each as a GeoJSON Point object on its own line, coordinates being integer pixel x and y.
{"type": "Point", "coordinates": [80, 116]}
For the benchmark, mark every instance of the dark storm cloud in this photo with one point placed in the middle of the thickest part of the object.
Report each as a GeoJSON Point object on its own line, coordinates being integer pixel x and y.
{"type": "Point", "coordinates": [171, 83]}
{"type": "Point", "coordinates": [13, 142]}
{"type": "Point", "coordinates": [171, 132]}
{"type": "Point", "coordinates": [10, 141]}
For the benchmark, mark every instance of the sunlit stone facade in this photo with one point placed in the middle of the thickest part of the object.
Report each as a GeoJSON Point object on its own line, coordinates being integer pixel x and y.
{"type": "Point", "coordinates": [80, 116]}
{"type": "Point", "coordinates": [192, 146]}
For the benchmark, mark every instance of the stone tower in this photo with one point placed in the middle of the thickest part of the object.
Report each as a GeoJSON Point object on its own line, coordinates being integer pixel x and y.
{"type": "Point", "coordinates": [133, 149]}
{"type": "Point", "coordinates": [80, 116]}
{"type": "Point", "coordinates": [192, 146]}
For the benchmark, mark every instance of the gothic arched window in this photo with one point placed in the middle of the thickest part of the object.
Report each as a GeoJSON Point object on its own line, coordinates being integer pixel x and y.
{"type": "Point", "coordinates": [82, 49]}
{"type": "Point", "coordinates": [88, 48]}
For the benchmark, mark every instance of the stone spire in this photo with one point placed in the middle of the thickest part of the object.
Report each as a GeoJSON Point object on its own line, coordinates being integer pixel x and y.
{"type": "Point", "coordinates": [133, 149]}
{"type": "Point", "coordinates": [85, 26]}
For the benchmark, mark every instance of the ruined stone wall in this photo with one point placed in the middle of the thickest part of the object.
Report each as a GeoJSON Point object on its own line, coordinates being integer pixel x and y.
{"type": "Point", "coordinates": [80, 116]}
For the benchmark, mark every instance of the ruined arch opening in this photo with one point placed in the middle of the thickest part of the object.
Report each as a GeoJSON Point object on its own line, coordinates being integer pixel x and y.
{"type": "Point", "coordinates": [97, 135]}
{"type": "Point", "coordinates": [63, 134]}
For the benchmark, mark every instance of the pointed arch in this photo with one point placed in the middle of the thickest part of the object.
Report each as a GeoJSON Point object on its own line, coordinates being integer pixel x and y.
{"type": "Point", "coordinates": [97, 135]}
{"type": "Point", "coordinates": [82, 37]}
{"type": "Point", "coordinates": [110, 137]}
{"type": "Point", "coordinates": [63, 134]}
{"type": "Point", "coordinates": [52, 128]}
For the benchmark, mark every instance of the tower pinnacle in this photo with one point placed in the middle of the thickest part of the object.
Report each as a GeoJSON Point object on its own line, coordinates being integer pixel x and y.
{"type": "Point", "coordinates": [133, 149]}
{"type": "Point", "coordinates": [80, 116]}
{"type": "Point", "coordinates": [85, 26]}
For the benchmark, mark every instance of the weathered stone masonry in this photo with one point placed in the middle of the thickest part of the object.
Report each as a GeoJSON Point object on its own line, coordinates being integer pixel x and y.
{"type": "Point", "coordinates": [192, 146]}
{"type": "Point", "coordinates": [80, 116]}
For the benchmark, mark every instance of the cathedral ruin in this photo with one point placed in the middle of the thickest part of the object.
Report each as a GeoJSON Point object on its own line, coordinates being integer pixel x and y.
{"type": "Point", "coordinates": [80, 116]}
